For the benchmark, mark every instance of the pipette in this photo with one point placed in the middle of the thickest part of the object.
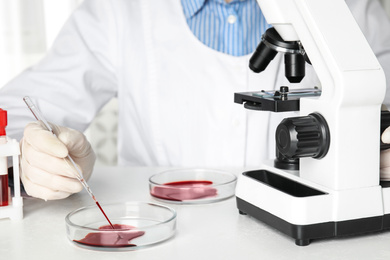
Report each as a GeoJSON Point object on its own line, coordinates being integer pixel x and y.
{"type": "Point", "coordinates": [38, 115]}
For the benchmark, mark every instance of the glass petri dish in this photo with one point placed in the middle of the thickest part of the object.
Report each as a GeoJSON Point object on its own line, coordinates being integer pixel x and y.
{"type": "Point", "coordinates": [137, 225]}
{"type": "Point", "coordinates": [192, 186]}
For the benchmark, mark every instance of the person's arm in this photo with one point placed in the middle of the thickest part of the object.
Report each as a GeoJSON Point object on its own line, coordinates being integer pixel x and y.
{"type": "Point", "coordinates": [375, 25]}
{"type": "Point", "coordinates": [70, 85]}
{"type": "Point", "coordinates": [77, 76]}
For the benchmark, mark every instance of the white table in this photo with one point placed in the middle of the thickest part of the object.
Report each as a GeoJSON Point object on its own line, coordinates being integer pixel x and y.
{"type": "Point", "coordinates": [213, 231]}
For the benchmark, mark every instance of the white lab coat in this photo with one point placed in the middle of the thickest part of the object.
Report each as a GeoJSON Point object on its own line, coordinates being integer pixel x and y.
{"type": "Point", "coordinates": [175, 94]}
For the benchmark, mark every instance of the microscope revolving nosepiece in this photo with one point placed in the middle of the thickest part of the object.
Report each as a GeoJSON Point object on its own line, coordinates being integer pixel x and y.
{"type": "Point", "coordinates": [294, 55]}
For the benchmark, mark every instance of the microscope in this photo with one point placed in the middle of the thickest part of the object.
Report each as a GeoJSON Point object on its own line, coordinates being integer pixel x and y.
{"type": "Point", "coordinates": [325, 179]}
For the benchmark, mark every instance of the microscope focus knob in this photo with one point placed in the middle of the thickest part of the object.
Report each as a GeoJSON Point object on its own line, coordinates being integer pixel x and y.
{"type": "Point", "coordinates": [304, 136]}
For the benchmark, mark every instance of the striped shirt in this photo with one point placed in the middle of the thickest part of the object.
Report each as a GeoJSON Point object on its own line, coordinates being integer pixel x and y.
{"type": "Point", "coordinates": [233, 28]}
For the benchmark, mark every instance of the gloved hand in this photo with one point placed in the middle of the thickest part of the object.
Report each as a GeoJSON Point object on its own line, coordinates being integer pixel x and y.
{"type": "Point", "coordinates": [44, 172]}
{"type": "Point", "coordinates": [385, 157]}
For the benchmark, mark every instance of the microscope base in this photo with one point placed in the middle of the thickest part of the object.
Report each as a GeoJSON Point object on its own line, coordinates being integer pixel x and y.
{"type": "Point", "coordinates": [306, 211]}
{"type": "Point", "coordinates": [303, 234]}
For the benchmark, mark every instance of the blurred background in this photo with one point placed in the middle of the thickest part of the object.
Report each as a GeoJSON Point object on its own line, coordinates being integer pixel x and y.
{"type": "Point", "coordinates": [27, 29]}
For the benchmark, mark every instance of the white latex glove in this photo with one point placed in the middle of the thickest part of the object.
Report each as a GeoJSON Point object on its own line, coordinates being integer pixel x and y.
{"type": "Point", "coordinates": [385, 157]}
{"type": "Point", "coordinates": [44, 172]}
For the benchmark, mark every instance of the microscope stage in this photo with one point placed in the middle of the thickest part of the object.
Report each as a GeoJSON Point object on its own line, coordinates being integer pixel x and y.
{"type": "Point", "coordinates": [283, 100]}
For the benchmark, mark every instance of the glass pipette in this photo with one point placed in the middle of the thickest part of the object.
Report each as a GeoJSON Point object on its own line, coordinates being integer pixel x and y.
{"type": "Point", "coordinates": [38, 115]}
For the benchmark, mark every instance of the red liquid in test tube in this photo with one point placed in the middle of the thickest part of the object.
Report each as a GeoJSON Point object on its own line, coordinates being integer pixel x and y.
{"type": "Point", "coordinates": [4, 193]}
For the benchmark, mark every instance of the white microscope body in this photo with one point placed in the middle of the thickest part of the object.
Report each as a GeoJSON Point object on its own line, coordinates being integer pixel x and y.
{"type": "Point", "coordinates": [340, 193]}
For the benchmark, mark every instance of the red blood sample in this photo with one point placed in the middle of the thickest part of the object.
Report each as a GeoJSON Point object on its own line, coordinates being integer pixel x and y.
{"type": "Point", "coordinates": [104, 213]}
{"type": "Point", "coordinates": [120, 236]}
{"type": "Point", "coordinates": [4, 198]}
{"type": "Point", "coordinates": [184, 190]}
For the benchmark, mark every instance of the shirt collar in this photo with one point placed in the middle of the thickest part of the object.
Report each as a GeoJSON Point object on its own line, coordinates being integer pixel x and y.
{"type": "Point", "coordinates": [191, 7]}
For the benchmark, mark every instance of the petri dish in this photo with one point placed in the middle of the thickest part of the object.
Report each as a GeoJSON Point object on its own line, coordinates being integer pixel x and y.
{"type": "Point", "coordinates": [192, 186]}
{"type": "Point", "coordinates": [137, 225]}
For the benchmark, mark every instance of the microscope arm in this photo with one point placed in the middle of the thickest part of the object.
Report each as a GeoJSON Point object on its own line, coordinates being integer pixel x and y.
{"type": "Point", "coordinates": [352, 83]}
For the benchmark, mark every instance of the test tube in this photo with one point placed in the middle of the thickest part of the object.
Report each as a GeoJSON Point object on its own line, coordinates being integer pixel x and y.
{"type": "Point", "coordinates": [4, 189]}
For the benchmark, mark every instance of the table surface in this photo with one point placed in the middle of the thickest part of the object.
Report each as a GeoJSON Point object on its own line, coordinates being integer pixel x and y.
{"type": "Point", "coordinates": [211, 231]}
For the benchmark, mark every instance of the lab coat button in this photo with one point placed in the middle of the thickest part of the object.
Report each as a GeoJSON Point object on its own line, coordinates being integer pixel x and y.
{"type": "Point", "coordinates": [232, 19]}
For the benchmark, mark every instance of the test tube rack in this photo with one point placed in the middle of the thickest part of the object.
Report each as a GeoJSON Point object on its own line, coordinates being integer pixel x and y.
{"type": "Point", "coordinates": [14, 211]}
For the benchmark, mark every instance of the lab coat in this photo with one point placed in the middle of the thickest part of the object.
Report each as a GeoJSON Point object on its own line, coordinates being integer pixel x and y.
{"type": "Point", "coordinates": [175, 95]}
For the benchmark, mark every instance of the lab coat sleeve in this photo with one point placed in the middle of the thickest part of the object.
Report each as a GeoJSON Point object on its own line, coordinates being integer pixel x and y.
{"type": "Point", "coordinates": [375, 25]}
{"type": "Point", "coordinates": [77, 76]}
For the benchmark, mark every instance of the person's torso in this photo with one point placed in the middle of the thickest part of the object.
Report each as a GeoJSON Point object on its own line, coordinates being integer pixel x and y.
{"type": "Point", "coordinates": [176, 95]}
